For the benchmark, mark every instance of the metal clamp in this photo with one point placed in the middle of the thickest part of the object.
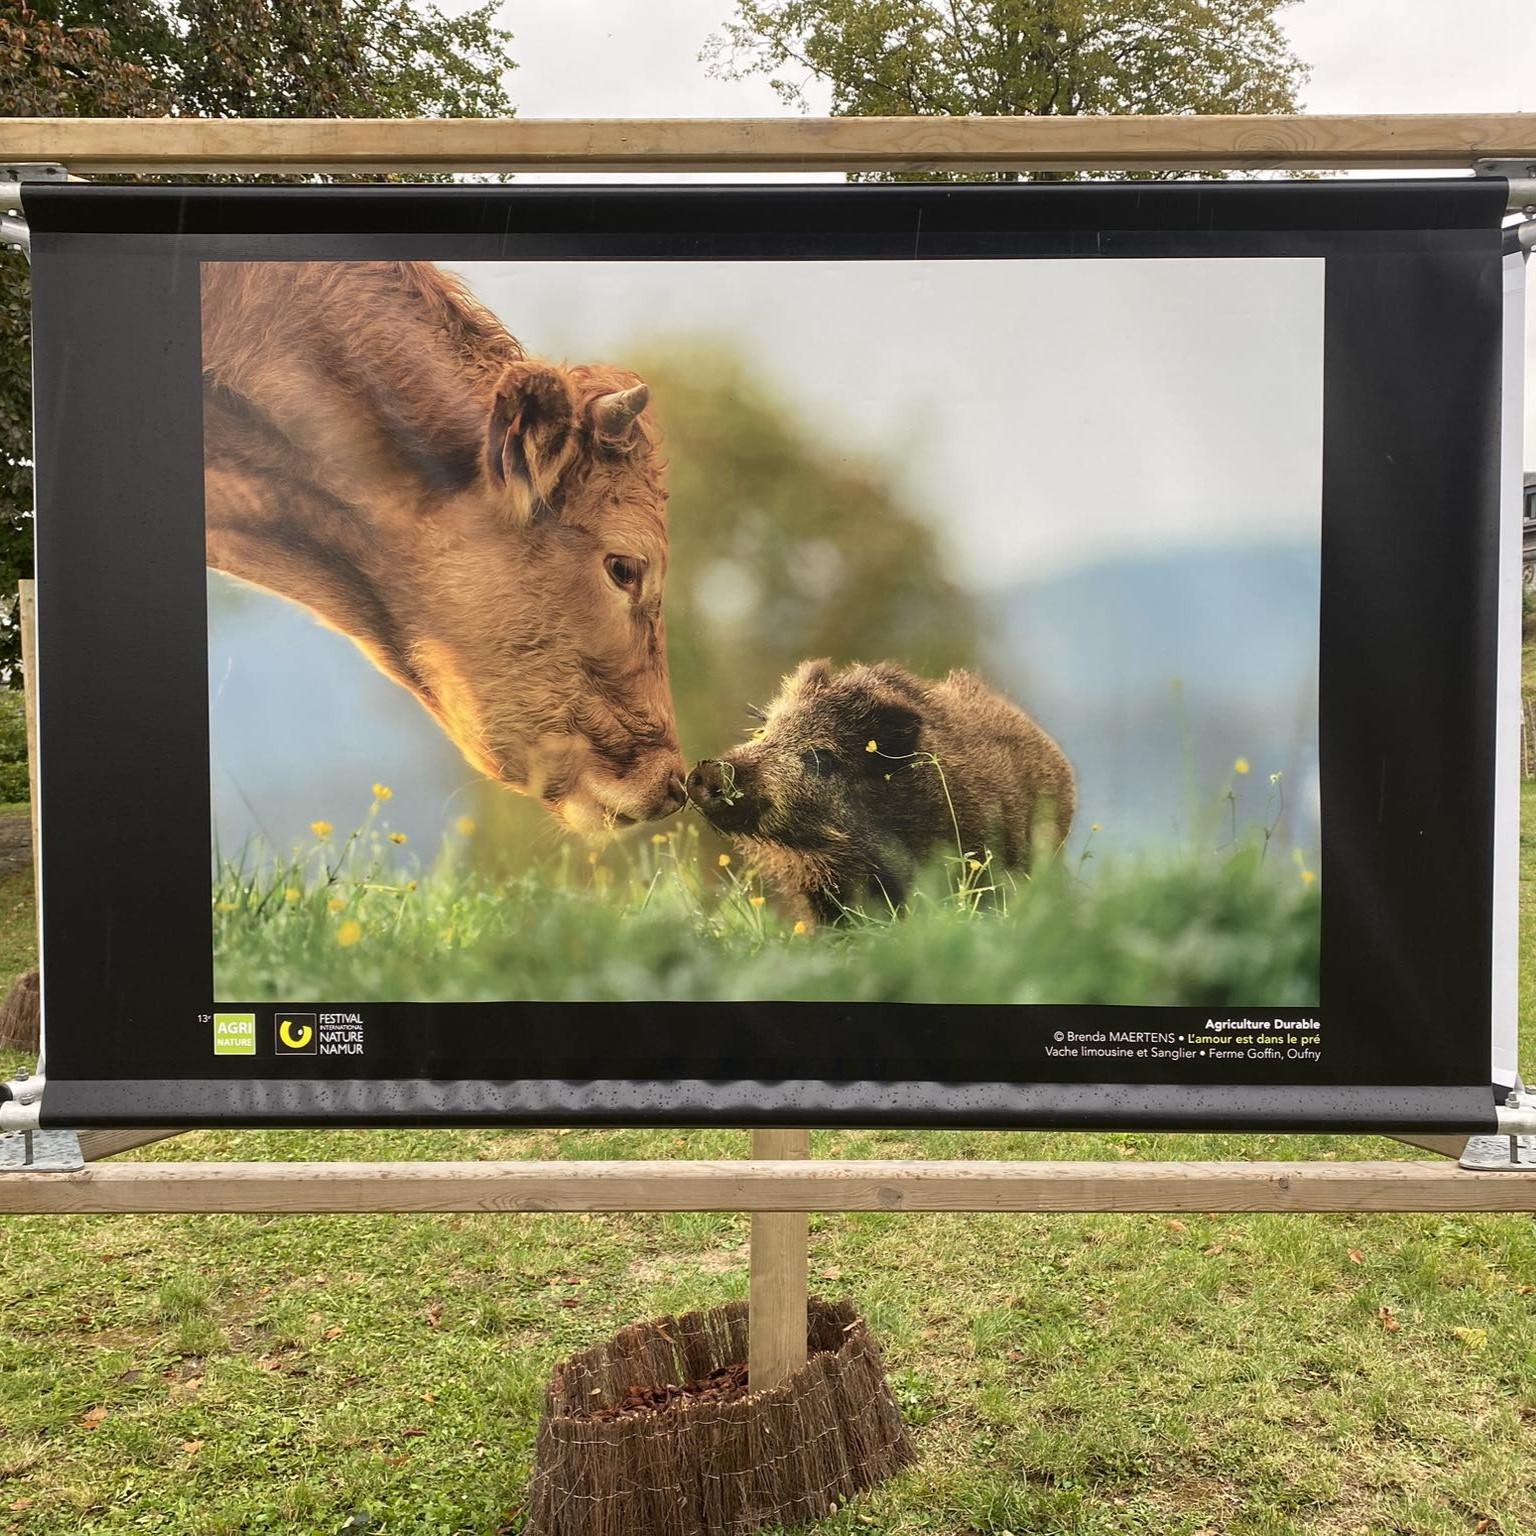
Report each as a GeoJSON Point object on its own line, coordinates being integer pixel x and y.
{"type": "Point", "coordinates": [1521, 176]}
{"type": "Point", "coordinates": [13, 226]}
{"type": "Point", "coordinates": [21, 1101]}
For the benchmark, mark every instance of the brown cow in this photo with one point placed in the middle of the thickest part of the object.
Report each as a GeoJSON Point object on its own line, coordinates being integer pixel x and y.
{"type": "Point", "coordinates": [488, 527]}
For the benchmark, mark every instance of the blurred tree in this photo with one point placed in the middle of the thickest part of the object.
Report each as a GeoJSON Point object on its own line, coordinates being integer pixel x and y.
{"type": "Point", "coordinates": [1016, 58]}
{"type": "Point", "coordinates": [784, 547]}
{"type": "Point", "coordinates": [212, 58]}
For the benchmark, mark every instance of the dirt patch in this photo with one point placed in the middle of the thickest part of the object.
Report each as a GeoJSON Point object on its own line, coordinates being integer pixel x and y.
{"type": "Point", "coordinates": [15, 843]}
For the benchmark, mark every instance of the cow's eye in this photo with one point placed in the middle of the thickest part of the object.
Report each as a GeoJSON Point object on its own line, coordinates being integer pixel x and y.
{"type": "Point", "coordinates": [820, 761]}
{"type": "Point", "coordinates": [625, 571]}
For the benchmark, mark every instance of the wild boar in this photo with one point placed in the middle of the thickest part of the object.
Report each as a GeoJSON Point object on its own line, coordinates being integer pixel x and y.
{"type": "Point", "coordinates": [857, 778]}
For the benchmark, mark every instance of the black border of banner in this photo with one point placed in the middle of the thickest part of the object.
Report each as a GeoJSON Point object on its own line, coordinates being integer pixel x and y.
{"type": "Point", "coordinates": [1407, 698]}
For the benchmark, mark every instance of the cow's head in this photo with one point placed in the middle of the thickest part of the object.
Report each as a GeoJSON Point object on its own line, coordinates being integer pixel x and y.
{"type": "Point", "coordinates": [546, 660]}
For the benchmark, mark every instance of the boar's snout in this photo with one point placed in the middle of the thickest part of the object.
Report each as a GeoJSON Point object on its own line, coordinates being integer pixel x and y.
{"type": "Point", "coordinates": [716, 790]}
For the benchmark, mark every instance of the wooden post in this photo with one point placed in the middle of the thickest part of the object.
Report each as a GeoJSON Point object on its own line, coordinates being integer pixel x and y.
{"type": "Point", "coordinates": [780, 1259]}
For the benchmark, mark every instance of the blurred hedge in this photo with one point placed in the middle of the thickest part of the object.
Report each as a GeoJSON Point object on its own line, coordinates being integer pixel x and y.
{"type": "Point", "coordinates": [13, 746]}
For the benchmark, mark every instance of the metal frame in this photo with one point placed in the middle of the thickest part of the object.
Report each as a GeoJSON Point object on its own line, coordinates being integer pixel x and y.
{"type": "Point", "coordinates": [780, 1183]}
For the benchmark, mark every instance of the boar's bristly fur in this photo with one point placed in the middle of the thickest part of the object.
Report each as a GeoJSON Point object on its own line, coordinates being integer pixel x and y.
{"type": "Point", "coordinates": [857, 778]}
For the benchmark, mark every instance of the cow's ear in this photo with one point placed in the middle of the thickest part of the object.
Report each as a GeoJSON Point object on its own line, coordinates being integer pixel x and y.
{"type": "Point", "coordinates": [890, 731]}
{"type": "Point", "coordinates": [531, 436]}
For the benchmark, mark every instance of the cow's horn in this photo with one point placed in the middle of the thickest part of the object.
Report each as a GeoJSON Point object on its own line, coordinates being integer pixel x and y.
{"type": "Point", "coordinates": [615, 414]}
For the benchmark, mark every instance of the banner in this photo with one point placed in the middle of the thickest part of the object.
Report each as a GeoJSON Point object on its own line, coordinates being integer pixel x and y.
{"type": "Point", "coordinates": [1005, 656]}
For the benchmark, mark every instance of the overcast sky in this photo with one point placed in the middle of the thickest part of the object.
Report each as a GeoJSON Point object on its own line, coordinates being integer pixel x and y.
{"type": "Point", "coordinates": [639, 58]}
{"type": "Point", "coordinates": [1044, 415]}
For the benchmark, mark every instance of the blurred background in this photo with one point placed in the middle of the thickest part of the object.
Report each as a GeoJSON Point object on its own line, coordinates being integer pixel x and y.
{"type": "Point", "coordinates": [1097, 482]}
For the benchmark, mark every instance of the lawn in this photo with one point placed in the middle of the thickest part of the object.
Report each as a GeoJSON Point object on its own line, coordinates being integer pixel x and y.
{"type": "Point", "coordinates": [1225, 921]}
{"type": "Point", "coordinates": [1092, 1375]}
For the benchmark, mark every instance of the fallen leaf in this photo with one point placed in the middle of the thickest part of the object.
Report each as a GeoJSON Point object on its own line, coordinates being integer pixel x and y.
{"type": "Point", "coordinates": [92, 1417]}
{"type": "Point", "coordinates": [1213, 1250]}
{"type": "Point", "coordinates": [411, 1434]}
{"type": "Point", "coordinates": [434, 1315]}
{"type": "Point", "coordinates": [1178, 1226]}
{"type": "Point", "coordinates": [333, 1333]}
{"type": "Point", "coordinates": [1483, 1526]}
{"type": "Point", "coordinates": [21, 1504]}
{"type": "Point", "coordinates": [832, 1273]}
{"type": "Point", "coordinates": [429, 1397]}
{"type": "Point", "coordinates": [1356, 1257]}
{"type": "Point", "coordinates": [191, 1447]}
{"type": "Point", "coordinates": [1388, 1319]}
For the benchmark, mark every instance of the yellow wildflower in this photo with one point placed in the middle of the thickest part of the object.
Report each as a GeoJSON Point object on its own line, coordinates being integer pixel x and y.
{"type": "Point", "coordinates": [724, 861]}
{"type": "Point", "coordinates": [336, 904]}
{"type": "Point", "coordinates": [871, 746]}
{"type": "Point", "coordinates": [800, 927]}
{"type": "Point", "coordinates": [349, 933]}
{"type": "Point", "coordinates": [1242, 765]}
{"type": "Point", "coordinates": [756, 901]}
{"type": "Point", "coordinates": [465, 826]}
{"type": "Point", "coordinates": [973, 865]}
{"type": "Point", "coordinates": [292, 894]}
{"type": "Point", "coordinates": [398, 837]}
{"type": "Point", "coordinates": [658, 837]}
{"type": "Point", "coordinates": [1308, 876]}
{"type": "Point", "coordinates": [321, 829]}
{"type": "Point", "coordinates": [383, 792]}
{"type": "Point", "coordinates": [593, 857]}
{"type": "Point", "coordinates": [227, 906]}
{"type": "Point", "coordinates": [1097, 827]}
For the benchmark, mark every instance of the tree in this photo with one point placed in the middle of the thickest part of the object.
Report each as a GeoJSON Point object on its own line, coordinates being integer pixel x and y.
{"type": "Point", "coordinates": [212, 58]}
{"type": "Point", "coordinates": [1017, 58]}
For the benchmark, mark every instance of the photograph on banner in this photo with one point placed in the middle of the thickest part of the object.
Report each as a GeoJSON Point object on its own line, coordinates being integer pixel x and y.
{"type": "Point", "coordinates": [926, 631]}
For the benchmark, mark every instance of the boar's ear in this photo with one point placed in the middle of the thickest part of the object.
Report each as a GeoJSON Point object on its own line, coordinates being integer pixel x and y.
{"type": "Point", "coordinates": [808, 678]}
{"type": "Point", "coordinates": [531, 436]}
{"type": "Point", "coordinates": [894, 729]}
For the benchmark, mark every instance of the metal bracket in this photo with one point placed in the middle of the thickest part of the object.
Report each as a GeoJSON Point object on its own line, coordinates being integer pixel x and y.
{"type": "Point", "coordinates": [1521, 176]}
{"type": "Point", "coordinates": [1499, 1154]}
{"type": "Point", "coordinates": [40, 1152]}
{"type": "Point", "coordinates": [1513, 1150]}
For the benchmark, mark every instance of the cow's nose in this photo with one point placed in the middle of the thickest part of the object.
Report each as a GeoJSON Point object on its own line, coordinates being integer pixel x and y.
{"type": "Point", "coordinates": [676, 796]}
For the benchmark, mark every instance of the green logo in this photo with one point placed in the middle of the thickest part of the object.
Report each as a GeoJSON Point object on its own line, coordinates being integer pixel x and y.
{"type": "Point", "coordinates": [234, 1034]}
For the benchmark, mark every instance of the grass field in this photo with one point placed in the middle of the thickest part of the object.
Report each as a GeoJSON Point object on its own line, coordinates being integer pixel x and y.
{"type": "Point", "coordinates": [1092, 1376]}
{"type": "Point", "coordinates": [1222, 919]}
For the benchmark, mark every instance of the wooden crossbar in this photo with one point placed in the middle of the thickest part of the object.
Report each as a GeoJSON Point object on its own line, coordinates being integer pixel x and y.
{"type": "Point", "coordinates": [170, 145]}
{"type": "Point", "coordinates": [765, 1186]}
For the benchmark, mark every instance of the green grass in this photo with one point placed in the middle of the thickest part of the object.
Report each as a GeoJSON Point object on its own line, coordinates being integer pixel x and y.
{"type": "Point", "coordinates": [1228, 922]}
{"type": "Point", "coordinates": [1083, 1375]}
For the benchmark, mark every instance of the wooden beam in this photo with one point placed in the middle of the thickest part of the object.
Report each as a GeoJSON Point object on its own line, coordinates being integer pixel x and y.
{"type": "Point", "coordinates": [158, 146]}
{"type": "Point", "coordinates": [1446, 1146]}
{"type": "Point", "coordinates": [780, 1260]}
{"type": "Point", "coordinates": [95, 1145]}
{"type": "Point", "coordinates": [766, 1186]}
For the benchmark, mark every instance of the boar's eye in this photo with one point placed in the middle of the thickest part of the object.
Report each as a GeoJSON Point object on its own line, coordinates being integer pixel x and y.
{"type": "Point", "coordinates": [820, 761]}
{"type": "Point", "coordinates": [625, 571]}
